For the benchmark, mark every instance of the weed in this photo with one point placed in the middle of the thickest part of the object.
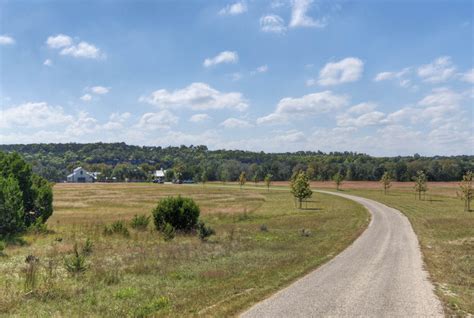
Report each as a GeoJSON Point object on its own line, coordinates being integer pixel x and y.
{"type": "Point", "coordinates": [168, 232]}
{"type": "Point", "coordinates": [87, 249]}
{"type": "Point", "coordinates": [263, 228]}
{"type": "Point", "coordinates": [140, 222]}
{"type": "Point", "coordinates": [31, 273]}
{"type": "Point", "coordinates": [152, 307]}
{"type": "Point", "coordinates": [126, 293]}
{"type": "Point", "coordinates": [118, 227]}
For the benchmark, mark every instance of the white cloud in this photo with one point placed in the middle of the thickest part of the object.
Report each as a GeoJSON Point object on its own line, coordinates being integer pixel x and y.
{"type": "Point", "coordinates": [82, 125]}
{"type": "Point", "coordinates": [272, 23]}
{"type": "Point", "coordinates": [468, 76]}
{"type": "Point", "coordinates": [311, 104]}
{"type": "Point", "coordinates": [33, 115]}
{"type": "Point", "coordinates": [197, 96]}
{"type": "Point", "coordinates": [100, 90]}
{"type": "Point", "coordinates": [291, 136]}
{"type": "Point", "coordinates": [86, 97]}
{"type": "Point", "coordinates": [83, 50]}
{"type": "Point", "coordinates": [68, 46]}
{"type": "Point", "coordinates": [347, 70]}
{"type": "Point", "coordinates": [234, 9]}
{"type": "Point", "coordinates": [6, 40]}
{"type": "Point", "coordinates": [160, 120]}
{"type": "Point", "coordinates": [262, 69]}
{"type": "Point", "coordinates": [367, 119]}
{"type": "Point", "coordinates": [48, 62]}
{"type": "Point", "coordinates": [236, 76]}
{"type": "Point", "coordinates": [299, 17]}
{"type": "Point", "coordinates": [362, 108]}
{"type": "Point", "coordinates": [235, 123]}
{"type": "Point", "coordinates": [59, 41]}
{"type": "Point", "coordinates": [116, 121]}
{"type": "Point", "coordinates": [223, 57]}
{"type": "Point", "coordinates": [440, 70]}
{"type": "Point", "coordinates": [383, 76]}
{"type": "Point", "coordinates": [197, 118]}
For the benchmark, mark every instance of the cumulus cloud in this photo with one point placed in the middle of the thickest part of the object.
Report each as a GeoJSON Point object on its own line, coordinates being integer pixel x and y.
{"type": "Point", "coordinates": [468, 76]}
{"type": "Point", "coordinates": [367, 119]}
{"type": "Point", "coordinates": [6, 40]}
{"type": "Point", "coordinates": [99, 90]}
{"type": "Point", "coordinates": [291, 136]}
{"type": "Point", "coordinates": [223, 57]}
{"type": "Point", "coordinates": [86, 97]}
{"type": "Point", "coordinates": [59, 41]}
{"type": "Point", "coordinates": [347, 70]}
{"type": "Point", "coordinates": [48, 62]}
{"type": "Point", "coordinates": [234, 9]}
{"type": "Point", "coordinates": [160, 120]}
{"type": "Point", "coordinates": [197, 118]}
{"type": "Point", "coordinates": [311, 104]}
{"type": "Point", "coordinates": [362, 108]}
{"type": "Point", "coordinates": [197, 96]}
{"type": "Point", "coordinates": [117, 121]}
{"type": "Point", "coordinates": [299, 17]}
{"type": "Point", "coordinates": [440, 70]}
{"type": "Point", "coordinates": [262, 69]}
{"type": "Point", "coordinates": [33, 115]}
{"type": "Point", "coordinates": [272, 23]}
{"type": "Point", "coordinates": [235, 123]}
{"type": "Point", "coordinates": [67, 46]}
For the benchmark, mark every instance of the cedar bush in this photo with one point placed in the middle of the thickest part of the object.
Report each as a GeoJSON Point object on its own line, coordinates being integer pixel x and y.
{"type": "Point", "coordinates": [181, 213]}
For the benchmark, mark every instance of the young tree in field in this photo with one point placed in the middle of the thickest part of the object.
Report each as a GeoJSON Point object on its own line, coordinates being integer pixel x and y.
{"type": "Point", "coordinates": [268, 181]}
{"type": "Point", "coordinates": [204, 177]}
{"type": "Point", "coordinates": [386, 181]}
{"type": "Point", "coordinates": [338, 179]}
{"type": "Point", "coordinates": [467, 192]}
{"type": "Point", "coordinates": [255, 179]}
{"type": "Point", "coordinates": [300, 187]}
{"type": "Point", "coordinates": [242, 179]}
{"type": "Point", "coordinates": [420, 183]}
{"type": "Point", "coordinates": [11, 207]}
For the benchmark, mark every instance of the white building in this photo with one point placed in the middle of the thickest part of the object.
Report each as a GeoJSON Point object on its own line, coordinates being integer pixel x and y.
{"type": "Point", "coordinates": [81, 175]}
{"type": "Point", "coordinates": [159, 175]}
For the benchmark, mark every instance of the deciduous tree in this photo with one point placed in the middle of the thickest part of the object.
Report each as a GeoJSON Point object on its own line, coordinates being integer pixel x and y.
{"type": "Point", "coordinates": [268, 181]}
{"type": "Point", "coordinates": [242, 179]}
{"type": "Point", "coordinates": [338, 179]}
{"type": "Point", "coordinates": [420, 183]}
{"type": "Point", "coordinates": [386, 181]}
{"type": "Point", "coordinates": [300, 187]}
{"type": "Point", "coordinates": [467, 192]}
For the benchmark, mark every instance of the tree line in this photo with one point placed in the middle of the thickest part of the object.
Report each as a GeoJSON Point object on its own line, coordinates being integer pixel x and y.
{"type": "Point", "coordinates": [121, 162]}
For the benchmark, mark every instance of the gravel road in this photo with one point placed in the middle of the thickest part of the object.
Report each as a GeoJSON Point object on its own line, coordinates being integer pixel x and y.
{"type": "Point", "coordinates": [380, 275]}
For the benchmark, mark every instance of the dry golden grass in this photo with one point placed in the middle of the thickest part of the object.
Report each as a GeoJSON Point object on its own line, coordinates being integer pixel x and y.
{"type": "Point", "coordinates": [143, 275]}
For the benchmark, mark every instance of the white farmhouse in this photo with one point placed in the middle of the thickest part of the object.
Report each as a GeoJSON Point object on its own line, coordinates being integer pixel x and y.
{"type": "Point", "coordinates": [81, 175]}
{"type": "Point", "coordinates": [159, 175]}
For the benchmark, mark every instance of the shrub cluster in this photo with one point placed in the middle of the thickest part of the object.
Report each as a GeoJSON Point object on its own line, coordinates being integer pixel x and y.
{"type": "Point", "coordinates": [181, 213]}
{"type": "Point", "coordinates": [118, 227]}
{"type": "Point", "coordinates": [140, 222]}
{"type": "Point", "coordinates": [25, 198]}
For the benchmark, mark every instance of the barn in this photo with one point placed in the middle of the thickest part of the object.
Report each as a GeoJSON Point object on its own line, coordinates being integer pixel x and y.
{"type": "Point", "coordinates": [80, 175]}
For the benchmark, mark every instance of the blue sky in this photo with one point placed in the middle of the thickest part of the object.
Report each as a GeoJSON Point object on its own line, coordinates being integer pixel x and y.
{"type": "Point", "coordinates": [380, 77]}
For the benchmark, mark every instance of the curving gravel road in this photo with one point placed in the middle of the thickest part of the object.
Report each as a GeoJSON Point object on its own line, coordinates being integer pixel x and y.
{"type": "Point", "coordinates": [380, 275]}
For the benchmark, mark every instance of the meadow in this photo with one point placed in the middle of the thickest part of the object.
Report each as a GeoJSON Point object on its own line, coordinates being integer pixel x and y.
{"type": "Point", "coordinates": [262, 243]}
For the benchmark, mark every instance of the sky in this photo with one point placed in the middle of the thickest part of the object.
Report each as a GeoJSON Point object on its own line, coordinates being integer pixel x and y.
{"type": "Point", "coordinates": [385, 78]}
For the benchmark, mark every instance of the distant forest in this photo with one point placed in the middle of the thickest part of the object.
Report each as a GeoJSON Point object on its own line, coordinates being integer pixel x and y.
{"type": "Point", "coordinates": [136, 163]}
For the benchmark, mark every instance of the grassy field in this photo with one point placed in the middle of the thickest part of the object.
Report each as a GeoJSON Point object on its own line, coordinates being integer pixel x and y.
{"type": "Point", "coordinates": [143, 275]}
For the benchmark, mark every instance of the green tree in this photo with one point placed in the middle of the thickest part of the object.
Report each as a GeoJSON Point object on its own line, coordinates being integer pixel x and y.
{"type": "Point", "coordinates": [467, 192]}
{"type": "Point", "coordinates": [255, 179]}
{"type": "Point", "coordinates": [268, 181]}
{"type": "Point", "coordinates": [338, 178]}
{"type": "Point", "coordinates": [204, 177]}
{"type": "Point", "coordinates": [11, 207]}
{"type": "Point", "coordinates": [300, 187]}
{"type": "Point", "coordinates": [242, 179]}
{"type": "Point", "coordinates": [386, 181]}
{"type": "Point", "coordinates": [421, 185]}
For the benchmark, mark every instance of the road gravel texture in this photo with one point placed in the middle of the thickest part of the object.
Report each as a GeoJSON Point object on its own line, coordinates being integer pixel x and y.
{"type": "Point", "coordinates": [380, 275]}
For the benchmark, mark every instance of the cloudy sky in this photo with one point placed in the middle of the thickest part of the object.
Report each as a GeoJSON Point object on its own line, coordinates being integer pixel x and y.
{"type": "Point", "coordinates": [380, 77]}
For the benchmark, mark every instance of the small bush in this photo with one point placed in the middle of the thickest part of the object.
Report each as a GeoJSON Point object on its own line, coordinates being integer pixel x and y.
{"type": "Point", "coordinates": [140, 222]}
{"type": "Point", "coordinates": [118, 227]}
{"type": "Point", "coordinates": [126, 293]}
{"type": "Point", "coordinates": [205, 231]}
{"type": "Point", "coordinates": [181, 213]}
{"type": "Point", "coordinates": [152, 307]}
{"type": "Point", "coordinates": [263, 228]}
{"type": "Point", "coordinates": [76, 263]}
{"type": "Point", "coordinates": [168, 232]}
{"type": "Point", "coordinates": [87, 249]}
